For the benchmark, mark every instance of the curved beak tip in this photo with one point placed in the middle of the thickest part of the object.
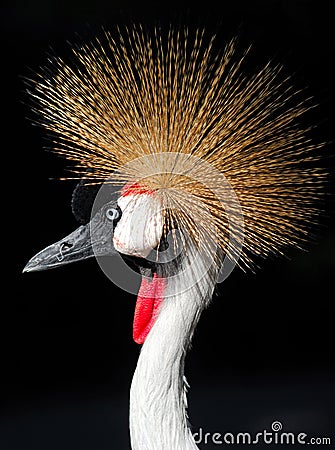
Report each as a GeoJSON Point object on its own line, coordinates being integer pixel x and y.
{"type": "Point", "coordinates": [35, 264]}
{"type": "Point", "coordinates": [29, 268]}
{"type": "Point", "coordinates": [26, 268]}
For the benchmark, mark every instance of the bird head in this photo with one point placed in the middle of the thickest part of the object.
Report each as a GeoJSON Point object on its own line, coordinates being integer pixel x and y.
{"type": "Point", "coordinates": [131, 224]}
{"type": "Point", "coordinates": [221, 153]}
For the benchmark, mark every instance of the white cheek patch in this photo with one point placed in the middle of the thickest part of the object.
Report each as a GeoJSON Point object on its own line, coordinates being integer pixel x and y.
{"type": "Point", "coordinates": [141, 225]}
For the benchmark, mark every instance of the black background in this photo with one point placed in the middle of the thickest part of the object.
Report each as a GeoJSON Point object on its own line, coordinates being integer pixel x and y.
{"type": "Point", "coordinates": [262, 352]}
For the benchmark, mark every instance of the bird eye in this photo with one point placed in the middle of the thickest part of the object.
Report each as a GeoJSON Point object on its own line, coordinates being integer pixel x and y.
{"type": "Point", "coordinates": [112, 214]}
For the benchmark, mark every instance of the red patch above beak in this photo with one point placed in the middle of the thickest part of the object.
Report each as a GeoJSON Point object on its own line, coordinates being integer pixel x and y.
{"type": "Point", "coordinates": [149, 298]}
{"type": "Point", "coordinates": [135, 189]}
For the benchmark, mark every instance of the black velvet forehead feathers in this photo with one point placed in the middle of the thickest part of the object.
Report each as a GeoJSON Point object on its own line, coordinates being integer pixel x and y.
{"type": "Point", "coordinates": [89, 198]}
{"type": "Point", "coordinates": [82, 200]}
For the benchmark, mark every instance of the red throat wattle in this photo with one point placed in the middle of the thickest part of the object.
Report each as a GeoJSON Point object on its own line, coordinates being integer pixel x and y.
{"type": "Point", "coordinates": [149, 299]}
{"type": "Point", "coordinates": [150, 294]}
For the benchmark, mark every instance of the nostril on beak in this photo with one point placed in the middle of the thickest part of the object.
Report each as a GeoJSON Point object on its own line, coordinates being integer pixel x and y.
{"type": "Point", "coordinates": [63, 248]}
{"type": "Point", "coordinates": [66, 246]}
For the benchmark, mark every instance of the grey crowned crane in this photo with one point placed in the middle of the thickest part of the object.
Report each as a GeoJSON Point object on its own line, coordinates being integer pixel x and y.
{"type": "Point", "coordinates": [212, 169]}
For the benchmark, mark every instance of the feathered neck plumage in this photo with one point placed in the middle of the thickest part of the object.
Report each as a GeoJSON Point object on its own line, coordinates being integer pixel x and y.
{"type": "Point", "coordinates": [158, 404]}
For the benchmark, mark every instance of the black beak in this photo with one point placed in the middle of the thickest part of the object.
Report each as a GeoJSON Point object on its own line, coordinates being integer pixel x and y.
{"type": "Point", "coordinates": [95, 238]}
{"type": "Point", "coordinates": [74, 247]}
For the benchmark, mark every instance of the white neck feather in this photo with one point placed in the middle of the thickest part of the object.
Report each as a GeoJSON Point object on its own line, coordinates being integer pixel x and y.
{"type": "Point", "coordinates": [158, 418]}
